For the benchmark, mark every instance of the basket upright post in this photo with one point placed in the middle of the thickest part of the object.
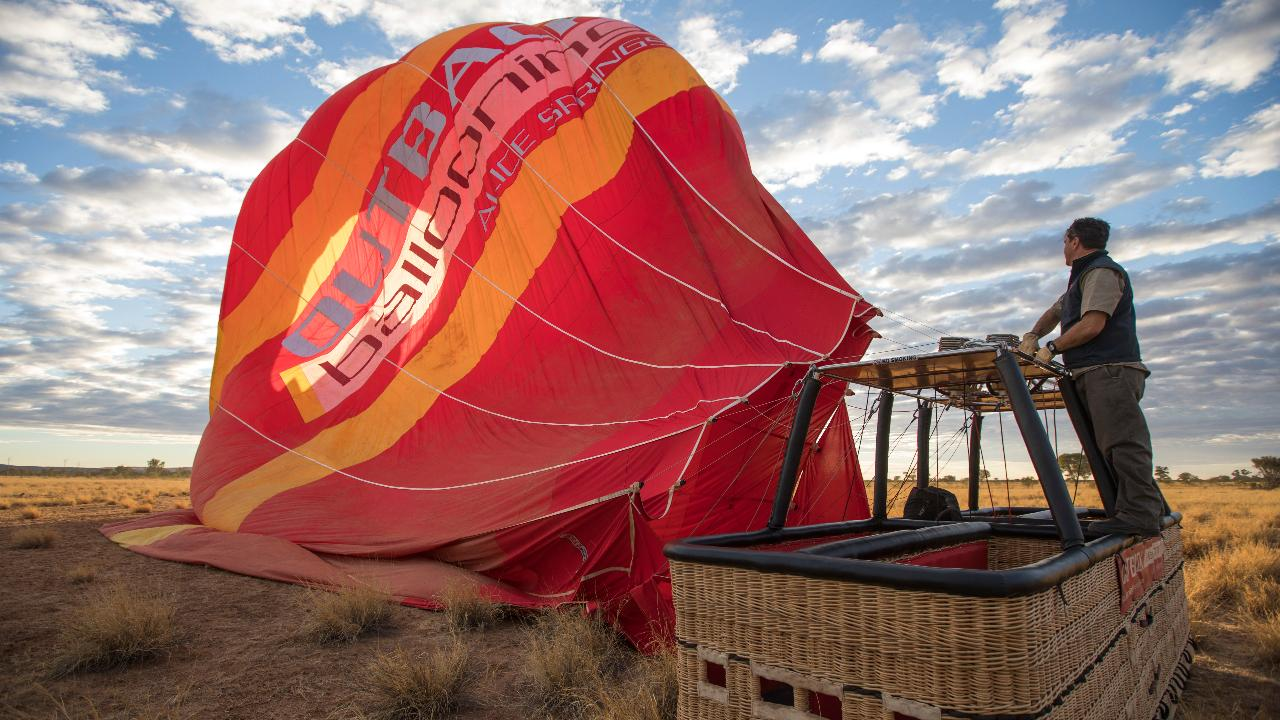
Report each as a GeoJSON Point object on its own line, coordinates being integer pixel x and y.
{"type": "Point", "coordinates": [880, 496]}
{"type": "Point", "coordinates": [923, 421]}
{"type": "Point", "coordinates": [1036, 439]}
{"type": "Point", "coordinates": [975, 458]}
{"type": "Point", "coordinates": [795, 448]}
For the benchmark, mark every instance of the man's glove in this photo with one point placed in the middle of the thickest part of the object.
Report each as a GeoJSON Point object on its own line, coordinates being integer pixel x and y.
{"type": "Point", "coordinates": [1030, 343]}
{"type": "Point", "coordinates": [1043, 355]}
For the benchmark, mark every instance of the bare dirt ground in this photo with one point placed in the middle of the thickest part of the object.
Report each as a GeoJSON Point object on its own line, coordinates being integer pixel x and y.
{"type": "Point", "coordinates": [239, 655]}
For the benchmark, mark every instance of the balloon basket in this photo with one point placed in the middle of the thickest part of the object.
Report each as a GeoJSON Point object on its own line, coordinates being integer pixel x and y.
{"type": "Point", "coordinates": [984, 623]}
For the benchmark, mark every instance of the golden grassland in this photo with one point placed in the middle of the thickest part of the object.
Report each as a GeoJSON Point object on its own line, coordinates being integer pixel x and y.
{"type": "Point", "coordinates": [57, 498]}
{"type": "Point", "coordinates": [571, 667]}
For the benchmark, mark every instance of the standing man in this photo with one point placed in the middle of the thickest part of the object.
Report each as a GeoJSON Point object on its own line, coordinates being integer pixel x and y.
{"type": "Point", "coordinates": [1099, 346]}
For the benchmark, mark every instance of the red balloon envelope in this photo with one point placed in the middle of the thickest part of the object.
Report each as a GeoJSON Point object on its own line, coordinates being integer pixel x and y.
{"type": "Point", "coordinates": [512, 312]}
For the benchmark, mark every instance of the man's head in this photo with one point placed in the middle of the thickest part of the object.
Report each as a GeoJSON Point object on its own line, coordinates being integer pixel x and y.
{"type": "Point", "coordinates": [1083, 237]}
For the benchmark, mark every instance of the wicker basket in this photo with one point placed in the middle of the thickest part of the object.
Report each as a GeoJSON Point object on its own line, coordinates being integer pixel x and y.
{"type": "Point", "coordinates": [783, 646]}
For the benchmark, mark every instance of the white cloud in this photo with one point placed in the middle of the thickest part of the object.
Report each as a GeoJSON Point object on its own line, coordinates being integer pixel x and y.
{"type": "Point", "coordinates": [98, 200]}
{"type": "Point", "coordinates": [332, 76]}
{"type": "Point", "coordinates": [1230, 49]}
{"type": "Point", "coordinates": [819, 133]}
{"type": "Point", "coordinates": [215, 134]}
{"type": "Point", "coordinates": [1176, 110]}
{"type": "Point", "coordinates": [886, 67]}
{"type": "Point", "coordinates": [247, 31]}
{"type": "Point", "coordinates": [18, 171]}
{"type": "Point", "coordinates": [780, 42]}
{"type": "Point", "coordinates": [48, 68]}
{"type": "Point", "coordinates": [718, 51]}
{"type": "Point", "coordinates": [1076, 96]}
{"type": "Point", "coordinates": [243, 31]}
{"type": "Point", "coordinates": [62, 359]}
{"type": "Point", "coordinates": [139, 12]}
{"type": "Point", "coordinates": [1248, 149]}
{"type": "Point", "coordinates": [717, 56]}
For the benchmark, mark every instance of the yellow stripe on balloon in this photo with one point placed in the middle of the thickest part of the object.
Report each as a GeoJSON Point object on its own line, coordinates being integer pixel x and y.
{"type": "Point", "coordinates": [583, 155]}
{"type": "Point", "coordinates": [146, 536]}
{"type": "Point", "coordinates": [323, 221]}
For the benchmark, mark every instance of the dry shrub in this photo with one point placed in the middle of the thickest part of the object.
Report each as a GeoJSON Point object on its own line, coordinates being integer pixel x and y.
{"type": "Point", "coordinates": [81, 574]}
{"type": "Point", "coordinates": [1266, 635]}
{"type": "Point", "coordinates": [117, 626]}
{"type": "Point", "coordinates": [571, 661]}
{"type": "Point", "coordinates": [342, 615]}
{"type": "Point", "coordinates": [1217, 581]}
{"type": "Point", "coordinates": [466, 608]}
{"type": "Point", "coordinates": [31, 514]}
{"type": "Point", "coordinates": [54, 502]}
{"type": "Point", "coordinates": [32, 537]}
{"type": "Point", "coordinates": [648, 692]}
{"type": "Point", "coordinates": [1262, 598]}
{"type": "Point", "coordinates": [181, 505]}
{"type": "Point", "coordinates": [401, 686]}
{"type": "Point", "coordinates": [143, 509]}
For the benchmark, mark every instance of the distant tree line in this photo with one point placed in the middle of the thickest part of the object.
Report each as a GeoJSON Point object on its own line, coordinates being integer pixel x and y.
{"type": "Point", "coordinates": [154, 468]}
{"type": "Point", "coordinates": [1265, 475]}
{"type": "Point", "coordinates": [1075, 467]}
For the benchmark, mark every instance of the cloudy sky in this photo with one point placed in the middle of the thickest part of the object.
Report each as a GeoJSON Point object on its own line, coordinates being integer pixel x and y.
{"type": "Point", "coordinates": [935, 152]}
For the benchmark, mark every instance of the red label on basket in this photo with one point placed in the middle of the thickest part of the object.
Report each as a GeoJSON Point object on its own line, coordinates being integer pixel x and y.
{"type": "Point", "coordinates": [1139, 568]}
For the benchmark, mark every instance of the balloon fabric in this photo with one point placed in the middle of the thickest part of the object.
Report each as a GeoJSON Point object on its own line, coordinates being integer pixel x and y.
{"type": "Point", "coordinates": [509, 314]}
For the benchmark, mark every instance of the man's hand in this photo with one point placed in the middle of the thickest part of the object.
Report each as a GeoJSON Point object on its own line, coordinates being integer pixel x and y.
{"type": "Point", "coordinates": [1030, 343]}
{"type": "Point", "coordinates": [1043, 355]}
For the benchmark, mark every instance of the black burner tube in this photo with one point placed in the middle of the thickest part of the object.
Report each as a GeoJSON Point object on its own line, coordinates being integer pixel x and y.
{"type": "Point", "coordinates": [1041, 450]}
{"type": "Point", "coordinates": [975, 458]}
{"type": "Point", "coordinates": [879, 505]}
{"type": "Point", "coordinates": [795, 448]}
{"type": "Point", "coordinates": [923, 421]}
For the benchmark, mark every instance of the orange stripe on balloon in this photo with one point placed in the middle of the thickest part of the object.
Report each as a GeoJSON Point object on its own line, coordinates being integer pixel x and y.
{"type": "Point", "coordinates": [583, 155]}
{"type": "Point", "coordinates": [147, 536]}
{"type": "Point", "coordinates": [323, 221]}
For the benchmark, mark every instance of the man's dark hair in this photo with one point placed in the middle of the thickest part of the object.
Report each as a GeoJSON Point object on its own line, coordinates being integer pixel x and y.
{"type": "Point", "coordinates": [1091, 232]}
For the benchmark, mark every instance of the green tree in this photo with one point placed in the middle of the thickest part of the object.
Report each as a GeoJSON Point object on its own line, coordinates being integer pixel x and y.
{"type": "Point", "coordinates": [1241, 475]}
{"type": "Point", "coordinates": [1162, 473]}
{"type": "Point", "coordinates": [1187, 477]}
{"type": "Point", "coordinates": [155, 466]}
{"type": "Point", "coordinates": [1268, 470]}
{"type": "Point", "coordinates": [1074, 466]}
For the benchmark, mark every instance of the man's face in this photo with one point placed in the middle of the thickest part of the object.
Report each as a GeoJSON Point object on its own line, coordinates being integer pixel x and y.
{"type": "Point", "coordinates": [1070, 247]}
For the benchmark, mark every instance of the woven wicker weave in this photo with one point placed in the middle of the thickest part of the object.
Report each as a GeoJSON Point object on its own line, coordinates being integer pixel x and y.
{"type": "Point", "coordinates": [1067, 652]}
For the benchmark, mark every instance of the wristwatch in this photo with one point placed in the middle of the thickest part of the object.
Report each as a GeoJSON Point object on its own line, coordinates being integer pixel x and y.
{"type": "Point", "coordinates": [1053, 348]}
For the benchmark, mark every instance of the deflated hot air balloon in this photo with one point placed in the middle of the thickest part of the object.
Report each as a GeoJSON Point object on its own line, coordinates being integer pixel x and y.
{"type": "Point", "coordinates": [512, 312]}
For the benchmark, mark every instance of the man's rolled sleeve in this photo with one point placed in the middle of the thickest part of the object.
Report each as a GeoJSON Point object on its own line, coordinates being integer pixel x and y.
{"type": "Point", "coordinates": [1101, 289]}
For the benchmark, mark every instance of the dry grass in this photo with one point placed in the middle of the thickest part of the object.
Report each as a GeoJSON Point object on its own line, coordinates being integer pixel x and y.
{"type": "Point", "coordinates": [1222, 579]}
{"type": "Point", "coordinates": [31, 514]}
{"type": "Point", "coordinates": [30, 538]}
{"type": "Point", "coordinates": [571, 660]}
{"type": "Point", "coordinates": [398, 685]}
{"type": "Point", "coordinates": [116, 626]}
{"type": "Point", "coordinates": [146, 508]}
{"type": "Point", "coordinates": [60, 494]}
{"type": "Point", "coordinates": [343, 615]}
{"type": "Point", "coordinates": [648, 692]}
{"type": "Point", "coordinates": [465, 608]}
{"type": "Point", "coordinates": [81, 574]}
